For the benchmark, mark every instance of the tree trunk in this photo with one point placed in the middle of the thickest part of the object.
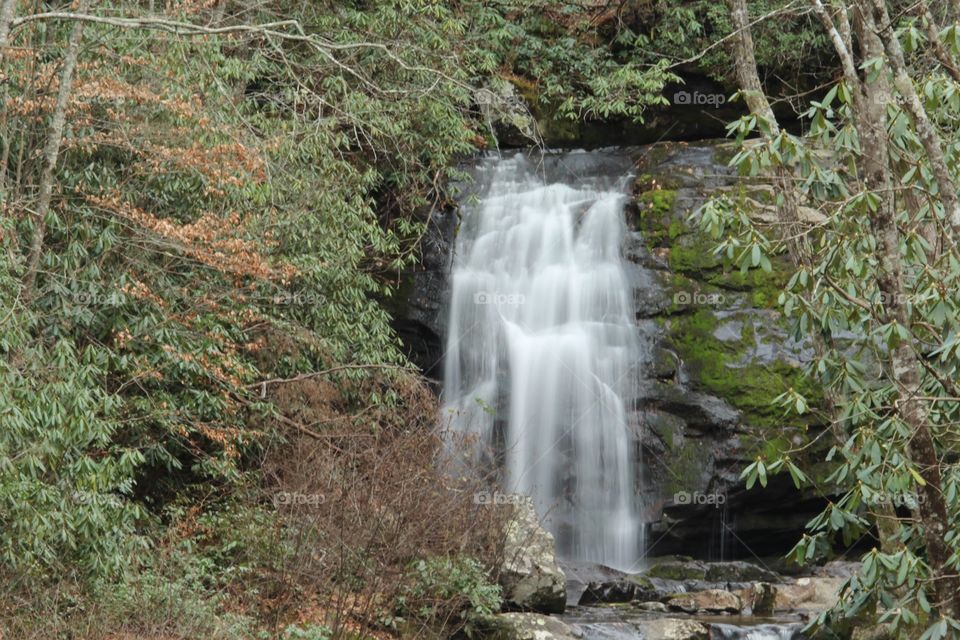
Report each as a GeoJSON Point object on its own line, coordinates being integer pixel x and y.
{"type": "Point", "coordinates": [751, 89]}
{"type": "Point", "coordinates": [933, 37]}
{"type": "Point", "coordinates": [6, 17]}
{"type": "Point", "coordinates": [925, 129]}
{"type": "Point", "coordinates": [51, 152]}
{"type": "Point", "coordinates": [903, 365]}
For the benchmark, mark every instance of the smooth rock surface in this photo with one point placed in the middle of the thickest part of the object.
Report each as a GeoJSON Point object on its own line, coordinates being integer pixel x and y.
{"type": "Point", "coordinates": [711, 601]}
{"type": "Point", "coordinates": [817, 593]}
{"type": "Point", "coordinates": [673, 629]}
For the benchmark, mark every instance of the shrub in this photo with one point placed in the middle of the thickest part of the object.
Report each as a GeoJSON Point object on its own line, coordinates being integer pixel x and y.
{"type": "Point", "coordinates": [448, 590]}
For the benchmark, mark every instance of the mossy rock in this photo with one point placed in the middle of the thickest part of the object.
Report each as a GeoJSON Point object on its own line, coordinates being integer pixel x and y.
{"type": "Point", "coordinates": [739, 571]}
{"type": "Point", "coordinates": [657, 221]}
{"type": "Point", "coordinates": [724, 367]}
{"type": "Point", "coordinates": [669, 428]}
{"type": "Point", "coordinates": [694, 255]}
{"type": "Point", "coordinates": [687, 463]}
{"type": "Point", "coordinates": [678, 570]}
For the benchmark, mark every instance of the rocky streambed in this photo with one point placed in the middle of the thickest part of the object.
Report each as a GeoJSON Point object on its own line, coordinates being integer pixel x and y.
{"type": "Point", "coordinates": [672, 598]}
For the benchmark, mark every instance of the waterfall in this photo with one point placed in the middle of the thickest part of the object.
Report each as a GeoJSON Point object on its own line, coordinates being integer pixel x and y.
{"type": "Point", "coordinates": [541, 350]}
{"type": "Point", "coordinates": [758, 632]}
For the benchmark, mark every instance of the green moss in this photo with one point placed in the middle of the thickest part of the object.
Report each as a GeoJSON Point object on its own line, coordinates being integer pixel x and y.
{"type": "Point", "coordinates": [642, 581]}
{"type": "Point", "coordinates": [775, 447]}
{"type": "Point", "coordinates": [677, 229]}
{"type": "Point", "coordinates": [694, 257]}
{"type": "Point", "coordinates": [677, 571]}
{"type": "Point", "coordinates": [764, 287]}
{"type": "Point", "coordinates": [687, 462]}
{"type": "Point", "coordinates": [725, 369]}
{"type": "Point", "coordinates": [657, 222]}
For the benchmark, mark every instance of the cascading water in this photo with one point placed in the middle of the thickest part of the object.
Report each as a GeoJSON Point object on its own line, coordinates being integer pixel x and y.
{"type": "Point", "coordinates": [541, 350]}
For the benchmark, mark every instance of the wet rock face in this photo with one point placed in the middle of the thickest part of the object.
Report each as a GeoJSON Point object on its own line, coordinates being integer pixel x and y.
{"type": "Point", "coordinates": [722, 354]}
{"type": "Point", "coordinates": [419, 312]}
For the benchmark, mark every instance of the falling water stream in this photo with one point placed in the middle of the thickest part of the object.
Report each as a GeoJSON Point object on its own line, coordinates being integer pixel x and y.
{"type": "Point", "coordinates": [542, 346]}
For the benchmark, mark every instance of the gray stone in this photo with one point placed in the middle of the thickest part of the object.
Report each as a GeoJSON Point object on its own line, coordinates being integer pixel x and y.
{"type": "Point", "coordinates": [817, 593]}
{"type": "Point", "coordinates": [711, 601]}
{"type": "Point", "coordinates": [506, 112]}
{"type": "Point", "coordinates": [673, 629]}
{"type": "Point", "coordinates": [529, 626]}
{"type": "Point", "coordinates": [761, 598]}
{"type": "Point", "coordinates": [739, 571]}
{"type": "Point", "coordinates": [530, 576]}
{"type": "Point", "coordinates": [729, 332]}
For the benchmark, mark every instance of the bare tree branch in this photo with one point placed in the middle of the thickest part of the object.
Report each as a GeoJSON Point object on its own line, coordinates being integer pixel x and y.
{"type": "Point", "coordinates": [51, 153]}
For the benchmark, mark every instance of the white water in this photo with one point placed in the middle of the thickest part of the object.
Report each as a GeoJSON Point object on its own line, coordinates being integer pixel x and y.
{"type": "Point", "coordinates": [540, 349]}
{"type": "Point", "coordinates": [759, 632]}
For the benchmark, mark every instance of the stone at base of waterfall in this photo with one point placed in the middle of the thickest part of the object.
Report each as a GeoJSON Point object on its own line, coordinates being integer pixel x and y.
{"type": "Point", "coordinates": [529, 626]}
{"type": "Point", "coordinates": [760, 598]}
{"type": "Point", "coordinates": [672, 629]}
{"type": "Point", "coordinates": [608, 592]}
{"type": "Point", "coordinates": [653, 605]}
{"type": "Point", "coordinates": [711, 601]}
{"type": "Point", "coordinates": [817, 593]}
{"type": "Point", "coordinates": [530, 576]}
{"type": "Point", "coordinates": [739, 571]}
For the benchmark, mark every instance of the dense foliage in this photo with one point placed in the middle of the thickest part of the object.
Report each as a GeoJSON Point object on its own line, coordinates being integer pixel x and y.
{"type": "Point", "coordinates": [232, 192]}
{"type": "Point", "coordinates": [876, 289]}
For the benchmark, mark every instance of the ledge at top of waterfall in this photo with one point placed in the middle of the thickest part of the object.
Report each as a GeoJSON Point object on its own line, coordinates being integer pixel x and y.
{"type": "Point", "coordinates": [542, 345]}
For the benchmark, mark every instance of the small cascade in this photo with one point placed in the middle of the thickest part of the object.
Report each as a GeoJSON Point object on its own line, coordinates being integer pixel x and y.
{"type": "Point", "coordinates": [757, 632]}
{"type": "Point", "coordinates": [541, 350]}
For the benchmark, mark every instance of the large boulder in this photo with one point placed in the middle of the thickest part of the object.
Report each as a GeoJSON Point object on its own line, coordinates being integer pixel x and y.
{"type": "Point", "coordinates": [528, 626]}
{"type": "Point", "coordinates": [739, 571]}
{"type": "Point", "coordinates": [816, 593]}
{"type": "Point", "coordinates": [760, 598]}
{"type": "Point", "coordinates": [673, 629]}
{"type": "Point", "coordinates": [584, 576]}
{"type": "Point", "coordinates": [504, 109]}
{"type": "Point", "coordinates": [678, 570]}
{"type": "Point", "coordinates": [710, 601]}
{"type": "Point", "coordinates": [530, 576]}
